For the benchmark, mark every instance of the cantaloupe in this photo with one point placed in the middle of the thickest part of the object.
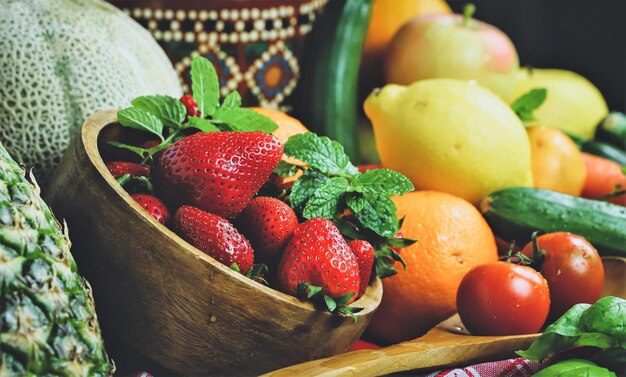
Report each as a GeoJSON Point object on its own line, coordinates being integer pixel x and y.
{"type": "Point", "coordinates": [60, 61]}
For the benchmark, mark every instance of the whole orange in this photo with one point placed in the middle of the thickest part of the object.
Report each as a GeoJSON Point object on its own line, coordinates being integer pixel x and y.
{"type": "Point", "coordinates": [557, 163]}
{"type": "Point", "coordinates": [452, 238]}
{"type": "Point", "coordinates": [287, 127]}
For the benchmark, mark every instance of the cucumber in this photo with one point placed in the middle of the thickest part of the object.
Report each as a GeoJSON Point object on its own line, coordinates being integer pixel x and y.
{"type": "Point", "coordinates": [515, 213]}
{"type": "Point", "coordinates": [598, 148]}
{"type": "Point", "coordinates": [612, 130]}
{"type": "Point", "coordinates": [326, 98]}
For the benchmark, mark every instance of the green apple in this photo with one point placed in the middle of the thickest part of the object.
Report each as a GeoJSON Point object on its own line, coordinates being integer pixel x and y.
{"type": "Point", "coordinates": [453, 46]}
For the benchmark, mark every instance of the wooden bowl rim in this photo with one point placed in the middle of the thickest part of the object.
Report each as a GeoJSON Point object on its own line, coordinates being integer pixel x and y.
{"type": "Point", "coordinates": [90, 132]}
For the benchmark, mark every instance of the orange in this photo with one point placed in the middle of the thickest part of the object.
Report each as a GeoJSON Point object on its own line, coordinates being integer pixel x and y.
{"type": "Point", "coordinates": [557, 163]}
{"type": "Point", "coordinates": [287, 125]}
{"type": "Point", "coordinates": [452, 238]}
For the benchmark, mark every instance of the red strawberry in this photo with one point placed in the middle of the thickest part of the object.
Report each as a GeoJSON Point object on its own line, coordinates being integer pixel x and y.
{"type": "Point", "coordinates": [190, 104]}
{"type": "Point", "coordinates": [364, 253]}
{"type": "Point", "coordinates": [155, 207]}
{"type": "Point", "coordinates": [214, 236]}
{"type": "Point", "coordinates": [318, 254]}
{"type": "Point", "coordinates": [121, 168]}
{"type": "Point", "coordinates": [218, 172]}
{"type": "Point", "coordinates": [268, 223]}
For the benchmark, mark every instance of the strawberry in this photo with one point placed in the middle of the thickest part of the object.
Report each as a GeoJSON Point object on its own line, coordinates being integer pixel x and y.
{"type": "Point", "coordinates": [155, 207]}
{"type": "Point", "coordinates": [318, 255]}
{"type": "Point", "coordinates": [218, 172]}
{"type": "Point", "coordinates": [268, 224]}
{"type": "Point", "coordinates": [190, 104]}
{"type": "Point", "coordinates": [364, 253]}
{"type": "Point", "coordinates": [121, 168]}
{"type": "Point", "coordinates": [214, 236]}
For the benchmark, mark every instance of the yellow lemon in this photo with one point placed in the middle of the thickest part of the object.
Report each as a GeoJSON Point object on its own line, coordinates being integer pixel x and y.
{"type": "Point", "coordinates": [450, 135]}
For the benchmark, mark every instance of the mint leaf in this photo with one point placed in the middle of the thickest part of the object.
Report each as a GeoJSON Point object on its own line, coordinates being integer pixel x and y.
{"type": "Point", "coordinates": [205, 86]}
{"type": "Point", "coordinates": [382, 182]}
{"type": "Point", "coordinates": [325, 201]}
{"type": "Point", "coordinates": [285, 169]}
{"type": "Point", "coordinates": [246, 120]}
{"type": "Point", "coordinates": [320, 153]}
{"type": "Point", "coordinates": [304, 188]}
{"type": "Point", "coordinates": [139, 151]}
{"type": "Point", "coordinates": [202, 124]}
{"type": "Point", "coordinates": [142, 120]}
{"type": "Point", "coordinates": [233, 99]}
{"type": "Point", "coordinates": [375, 212]}
{"type": "Point", "coordinates": [526, 104]}
{"type": "Point", "coordinates": [168, 109]}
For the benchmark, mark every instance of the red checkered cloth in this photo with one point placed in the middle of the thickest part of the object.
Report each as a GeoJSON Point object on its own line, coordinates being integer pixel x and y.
{"type": "Point", "coordinates": [519, 367]}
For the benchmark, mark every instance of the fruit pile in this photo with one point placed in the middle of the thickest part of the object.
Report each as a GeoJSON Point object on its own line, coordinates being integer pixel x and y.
{"type": "Point", "coordinates": [297, 216]}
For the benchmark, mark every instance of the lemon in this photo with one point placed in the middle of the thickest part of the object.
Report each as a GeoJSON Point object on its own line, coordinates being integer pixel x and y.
{"type": "Point", "coordinates": [573, 103]}
{"type": "Point", "coordinates": [450, 135]}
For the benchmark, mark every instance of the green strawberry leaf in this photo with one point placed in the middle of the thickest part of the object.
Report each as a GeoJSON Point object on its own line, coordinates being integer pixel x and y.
{"type": "Point", "coordinates": [400, 243]}
{"type": "Point", "coordinates": [168, 109]}
{"type": "Point", "coordinates": [304, 188]}
{"type": "Point", "coordinates": [285, 169]}
{"type": "Point", "coordinates": [331, 305]}
{"type": "Point", "coordinates": [142, 120]}
{"type": "Point", "coordinates": [526, 104]}
{"type": "Point", "coordinates": [135, 184]}
{"type": "Point", "coordinates": [382, 182]}
{"type": "Point", "coordinates": [257, 273]}
{"type": "Point", "coordinates": [232, 100]}
{"type": "Point", "coordinates": [205, 86]}
{"type": "Point", "coordinates": [623, 170]}
{"type": "Point", "coordinates": [305, 291]}
{"type": "Point", "coordinates": [320, 153]}
{"type": "Point", "coordinates": [375, 212]}
{"type": "Point", "coordinates": [139, 151]}
{"type": "Point", "coordinates": [235, 267]}
{"type": "Point", "coordinates": [325, 200]}
{"type": "Point", "coordinates": [246, 120]}
{"type": "Point", "coordinates": [383, 269]}
{"type": "Point", "coordinates": [343, 299]}
{"type": "Point", "coordinates": [202, 124]}
{"type": "Point", "coordinates": [348, 229]}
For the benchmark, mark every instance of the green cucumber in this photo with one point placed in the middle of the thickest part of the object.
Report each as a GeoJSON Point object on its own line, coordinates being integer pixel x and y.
{"type": "Point", "coordinates": [326, 98]}
{"type": "Point", "coordinates": [598, 148]}
{"type": "Point", "coordinates": [515, 213]}
{"type": "Point", "coordinates": [612, 130]}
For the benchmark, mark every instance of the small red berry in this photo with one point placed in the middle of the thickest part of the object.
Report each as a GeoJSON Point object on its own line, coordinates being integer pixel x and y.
{"type": "Point", "coordinates": [121, 168]}
{"type": "Point", "coordinates": [191, 105]}
{"type": "Point", "coordinates": [155, 207]}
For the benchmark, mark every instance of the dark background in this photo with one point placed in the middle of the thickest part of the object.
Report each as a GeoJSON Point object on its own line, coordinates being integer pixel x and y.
{"type": "Point", "coordinates": [584, 36]}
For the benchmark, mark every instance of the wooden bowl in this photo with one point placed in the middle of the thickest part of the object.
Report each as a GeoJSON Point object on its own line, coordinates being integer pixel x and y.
{"type": "Point", "coordinates": [169, 300]}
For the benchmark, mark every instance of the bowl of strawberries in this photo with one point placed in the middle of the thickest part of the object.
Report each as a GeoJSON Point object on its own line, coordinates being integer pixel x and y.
{"type": "Point", "coordinates": [215, 248]}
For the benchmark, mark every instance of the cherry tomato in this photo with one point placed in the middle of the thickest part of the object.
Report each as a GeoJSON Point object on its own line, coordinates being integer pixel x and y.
{"type": "Point", "coordinates": [573, 269]}
{"type": "Point", "coordinates": [503, 298]}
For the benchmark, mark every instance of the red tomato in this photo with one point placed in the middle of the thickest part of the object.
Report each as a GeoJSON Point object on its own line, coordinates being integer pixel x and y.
{"type": "Point", "coordinates": [502, 298]}
{"type": "Point", "coordinates": [573, 269]}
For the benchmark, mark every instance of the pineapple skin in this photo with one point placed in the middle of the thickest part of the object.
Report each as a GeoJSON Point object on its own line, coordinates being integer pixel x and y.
{"type": "Point", "coordinates": [48, 322]}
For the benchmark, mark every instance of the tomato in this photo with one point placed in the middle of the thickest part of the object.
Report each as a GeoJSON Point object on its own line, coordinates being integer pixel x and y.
{"type": "Point", "coordinates": [573, 269]}
{"type": "Point", "coordinates": [503, 298]}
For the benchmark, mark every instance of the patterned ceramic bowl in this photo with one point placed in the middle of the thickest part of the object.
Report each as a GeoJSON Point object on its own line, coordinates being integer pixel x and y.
{"type": "Point", "coordinates": [254, 44]}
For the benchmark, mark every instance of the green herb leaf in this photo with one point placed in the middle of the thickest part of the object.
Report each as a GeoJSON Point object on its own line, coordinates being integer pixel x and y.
{"type": "Point", "coordinates": [139, 151]}
{"type": "Point", "coordinates": [526, 104]}
{"type": "Point", "coordinates": [304, 188]}
{"type": "Point", "coordinates": [202, 124]}
{"type": "Point", "coordinates": [601, 325]}
{"type": "Point", "coordinates": [400, 243]}
{"type": "Point", "coordinates": [233, 99]}
{"type": "Point", "coordinates": [205, 86]}
{"type": "Point", "coordinates": [325, 201]}
{"type": "Point", "coordinates": [285, 169]}
{"type": "Point", "coordinates": [623, 170]}
{"type": "Point", "coordinates": [375, 212]}
{"type": "Point", "coordinates": [244, 119]}
{"type": "Point", "coordinates": [320, 153]}
{"type": "Point", "coordinates": [382, 182]}
{"type": "Point", "coordinates": [168, 109]}
{"type": "Point", "coordinates": [574, 367]}
{"type": "Point", "coordinates": [142, 120]}
{"type": "Point", "coordinates": [331, 305]}
{"type": "Point", "coordinates": [348, 229]}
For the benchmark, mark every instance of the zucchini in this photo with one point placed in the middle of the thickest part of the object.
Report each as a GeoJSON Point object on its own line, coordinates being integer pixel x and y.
{"type": "Point", "coordinates": [326, 98]}
{"type": "Point", "coordinates": [612, 130]}
{"type": "Point", "coordinates": [515, 213]}
{"type": "Point", "coordinates": [598, 148]}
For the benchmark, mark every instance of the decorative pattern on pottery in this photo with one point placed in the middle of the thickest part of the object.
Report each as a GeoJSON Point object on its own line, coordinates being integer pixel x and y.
{"type": "Point", "coordinates": [255, 51]}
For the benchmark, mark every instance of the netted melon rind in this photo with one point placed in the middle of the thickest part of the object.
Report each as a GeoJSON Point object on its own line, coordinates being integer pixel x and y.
{"type": "Point", "coordinates": [60, 61]}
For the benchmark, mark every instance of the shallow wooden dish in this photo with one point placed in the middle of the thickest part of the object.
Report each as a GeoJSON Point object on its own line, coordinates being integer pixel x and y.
{"type": "Point", "coordinates": [447, 344]}
{"type": "Point", "coordinates": [169, 300]}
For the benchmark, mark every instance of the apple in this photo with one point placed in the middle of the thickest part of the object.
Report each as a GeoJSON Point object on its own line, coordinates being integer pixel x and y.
{"type": "Point", "coordinates": [453, 46]}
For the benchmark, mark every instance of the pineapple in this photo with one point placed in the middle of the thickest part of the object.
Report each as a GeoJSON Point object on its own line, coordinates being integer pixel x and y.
{"type": "Point", "coordinates": [48, 324]}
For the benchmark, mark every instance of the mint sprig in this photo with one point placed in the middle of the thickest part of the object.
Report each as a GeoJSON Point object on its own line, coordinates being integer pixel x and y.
{"type": "Point", "coordinates": [166, 117]}
{"type": "Point", "coordinates": [526, 104]}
